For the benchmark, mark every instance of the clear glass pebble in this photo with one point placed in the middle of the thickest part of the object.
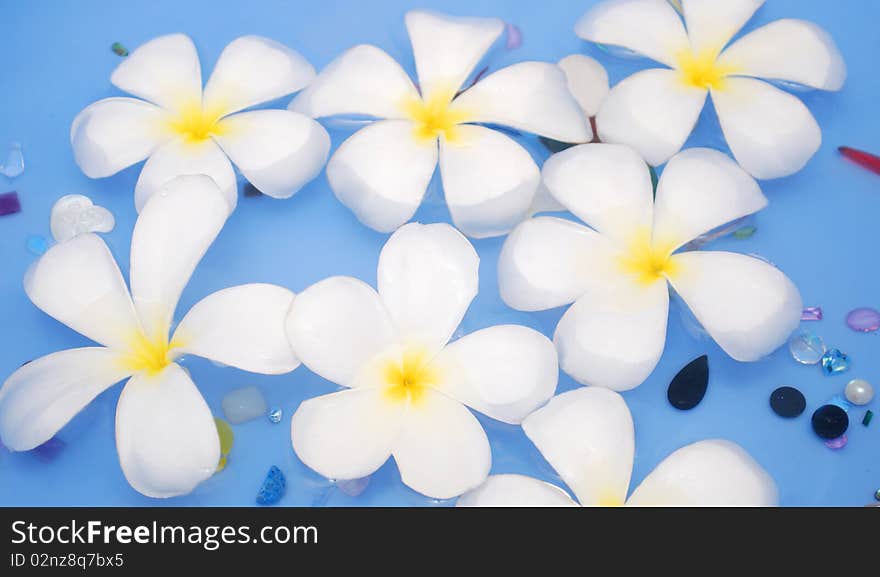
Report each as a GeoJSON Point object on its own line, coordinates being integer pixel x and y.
{"type": "Point", "coordinates": [275, 415]}
{"type": "Point", "coordinates": [245, 404]}
{"type": "Point", "coordinates": [863, 320]}
{"type": "Point", "coordinates": [75, 214]}
{"type": "Point", "coordinates": [353, 487]}
{"type": "Point", "coordinates": [834, 361]}
{"type": "Point", "coordinates": [13, 164]}
{"type": "Point", "coordinates": [806, 347]}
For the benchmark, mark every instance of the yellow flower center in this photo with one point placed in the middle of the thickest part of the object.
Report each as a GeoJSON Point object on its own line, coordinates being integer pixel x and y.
{"type": "Point", "coordinates": [702, 70]}
{"type": "Point", "coordinates": [408, 377]}
{"type": "Point", "coordinates": [434, 117]}
{"type": "Point", "coordinates": [196, 124]}
{"type": "Point", "coordinates": [149, 355]}
{"type": "Point", "coordinates": [648, 261]}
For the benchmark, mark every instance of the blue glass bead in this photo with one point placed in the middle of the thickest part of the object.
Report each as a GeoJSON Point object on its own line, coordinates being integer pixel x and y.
{"type": "Point", "coordinates": [273, 487]}
{"type": "Point", "coordinates": [834, 361]}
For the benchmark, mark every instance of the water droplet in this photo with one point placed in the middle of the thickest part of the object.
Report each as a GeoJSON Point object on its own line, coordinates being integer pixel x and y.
{"type": "Point", "coordinates": [13, 166]}
{"type": "Point", "coordinates": [275, 415]}
{"type": "Point", "coordinates": [864, 320]}
{"type": "Point", "coordinates": [806, 347]}
{"type": "Point", "coordinates": [834, 361]}
{"type": "Point", "coordinates": [242, 405]}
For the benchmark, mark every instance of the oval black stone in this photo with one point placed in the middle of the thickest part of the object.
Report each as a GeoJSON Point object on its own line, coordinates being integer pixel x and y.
{"type": "Point", "coordinates": [787, 402]}
{"type": "Point", "coordinates": [688, 387]}
{"type": "Point", "coordinates": [830, 421]}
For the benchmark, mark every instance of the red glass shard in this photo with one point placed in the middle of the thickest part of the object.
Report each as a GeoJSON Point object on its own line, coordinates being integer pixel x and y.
{"type": "Point", "coordinates": [862, 158]}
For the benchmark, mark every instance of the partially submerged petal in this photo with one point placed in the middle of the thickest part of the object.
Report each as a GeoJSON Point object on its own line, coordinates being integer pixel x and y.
{"type": "Point", "coordinates": [515, 491]}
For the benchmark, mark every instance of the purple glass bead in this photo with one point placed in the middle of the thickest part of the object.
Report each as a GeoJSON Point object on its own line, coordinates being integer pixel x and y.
{"type": "Point", "coordinates": [863, 319]}
{"type": "Point", "coordinates": [812, 314]}
{"type": "Point", "coordinates": [514, 36]}
{"type": "Point", "coordinates": [9, 203]}
{"type": "Point", "coordinates": [838, 443]}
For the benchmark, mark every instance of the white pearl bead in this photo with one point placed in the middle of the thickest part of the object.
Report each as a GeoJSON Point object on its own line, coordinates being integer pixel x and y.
{"type": "Point", "coordinates": [859, 392]}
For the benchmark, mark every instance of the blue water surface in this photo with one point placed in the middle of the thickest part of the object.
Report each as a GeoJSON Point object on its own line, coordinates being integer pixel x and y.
{"type": "Point", "coordinates": [820, 228]}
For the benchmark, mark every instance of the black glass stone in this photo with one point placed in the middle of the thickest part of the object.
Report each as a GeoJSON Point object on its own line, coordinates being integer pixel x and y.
{"type": "Point", "coordinates": [830, 421]}
{"type": "Point", "coordinates": [688, 387]}
{"type": "Point", "coordinates": [787, 402]}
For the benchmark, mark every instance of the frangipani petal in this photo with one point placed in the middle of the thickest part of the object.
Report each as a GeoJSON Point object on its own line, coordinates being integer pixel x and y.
{"type": "Point", "coordinates": [587, 81]}
{"type": "Point", "coordinates": [748, 306]}
{"type": "Point", "coordinates": [710, 473]}
{"type": "Point", "coordinates": [441, 451]}
{"type": "Point", "coordinates": [427, 278]}
{"type": "Point", "coordinates": [336, 326]}
{"type": "Point", "coordinates": [364, 80]}
{"type": "Point", "coordinates": [711, 24]}
{"type": "Point", "coordinates": [165, 434]}
{"type": "Point", "coordinates": [242, 326]}
{"type": "Point", "coordinates": [115, 133]}
{"type": "Point", "coordinates": [278, 151]}
{"type": "Point", "coordinates": [587, 436]}
{"type": "Point", "coordinates": [78, 283]}
{"type": "Point", "coordinates": [165, 71]}
{"type": "Point", "coordinates": [515, 491]}
{"type": "Point", "coordinates": [180, 157]}
{"type": "Point", "coordinates": [529, 96]}
{"type": "Point", "coordinates": [770, 132]}
{"type": "Point", "coordinates": [504, 371]}
{"type": "Point", "coordinates": [489, 181]}
{"type": "Point", "coordinates": [172, 233]}
{"type": "Point", "coordinates": [547, 262]}
{"type": "Point", "coordinates": [448, 48]}
{"type": "Point", "coordinates": [252, 70]}
{"type": "Point", "coordinates": [649, 27]}
{"type": "Point", "coordinates": [43, 395]}
{"type": "Point", "coordinates": [348, 434]}
{"type": "Point", "coordinates": [701, 189]}
{"type": "Point", "coordinates": [789, 50]}
{"type": "Point", "coordinates": [653, 111]}
{"type": "Point", "coordinates": [607, 186]}
{"type": "Point", "coordinates": [613, 337]}
{"type": "Point", "coordinates": [381, 173]}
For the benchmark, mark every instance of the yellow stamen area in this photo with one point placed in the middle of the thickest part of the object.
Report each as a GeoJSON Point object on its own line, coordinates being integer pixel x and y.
{"type": "Point", "coordinates": [196, 124]}
{"type": "Point", "coordinates": [646, 260]}
{"type": "Point", "coordinates": [434, 117]}
{"type": "Point", "coordinates": [409, 376]}
{"type": "Point", "coordinates": [702, 70]}
{"type": "Point", "coordinates": [609, 499]}
{"type": "Point", "coordinates": [149, 355]}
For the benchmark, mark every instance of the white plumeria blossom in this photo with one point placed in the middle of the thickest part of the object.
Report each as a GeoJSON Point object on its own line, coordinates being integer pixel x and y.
{"type": "Point", "coordinates": [587, 436]}
{"type": "Point", "coordinates": [770, 132]}
{"type": "Point", "coordinates": [617, 273]}
{"type": "Point", "coordinates": [165, 434]}
{"type": "Point", "coordinates": [382, 171]}
{"type": "Point", "coordinates": [181, 129]}
{"type": "Point", "coordinates": [588, 83]}
{"type": "Point", "coordinates": [408, 389]}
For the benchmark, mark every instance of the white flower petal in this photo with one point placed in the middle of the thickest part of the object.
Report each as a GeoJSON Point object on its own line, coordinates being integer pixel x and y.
{"type": "Point", "coordinates": [504, 371]}
{"type": "Point", "coordinates": [165, 71]}
{"type": "Point", "coordinates": [748, 306]}
{"type": "Point", "coordinates": [78, 283]}
{"type": "Point", "coordinates": [711, 473]}
{"type": "Point", "coordinates": [711, 24]}
{"type": "Point", "coordinates": [115, 133]}
{"type": "Point", "coordinates": [587, 81]}
{"type": "Point", "coordinates": [701, 189]}
{"type": "Point", "coordinates": [653, 111]}
{"type": "Point", "coordinates": [180, 157]}
{"type": "Point", "coordinates": [649, 27]}
{"type": "Point", "coordinates": [441, 451]}
{"type": "Point", "coordinates": [547, 262]}
{"type": "Point", "coordinates": [348, 434]}
{"type": "Point", "coordinates": [448, 48]}
{"type": "Point", "coordinates": [489, 180]}
{"type": "Point", "coordinates": [770, 132]}
{"type": "Point", "coordinates": [252, 70]}
{"type": "Point", "coordinates": [587, 436]}
{"type": "Point", "coordinates": [364, 80]}
{"type": "Point", "coordinates": [789, 50]}
{"type": "Point", "coordinates": [608, 186]}
{"type": "Point", "coordinates": [427, 278]}
{"type": "Point", "coordinates": [172, 233]}
{"type": "Point", "coordinates": [529, 96]}
{"type": "Point", "coordinates": [241, 326]}
{"type": "Point", "coordinates": [515, 491]}
{"type": "Point", "coordinates": [165, 434]}
{"type": "Point", "coordinates": [44, 394]}
{"type": "Point", "coordinates": [381, 173]}
{"type": "Point", "coordinates": [614, 336]}
{"type": "Point", "coordinates": [278, 151]}
{"type": "Point", "coordinates": [336, 326]}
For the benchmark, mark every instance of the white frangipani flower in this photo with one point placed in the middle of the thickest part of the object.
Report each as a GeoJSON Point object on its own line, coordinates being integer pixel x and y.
{"type": "Point", "coordinates": [770, 132]}
{"type": "Point", "coordinates": [588, 83]}
{"type": "Point", "coordinates": [181, 129]}
{"type": "Point", "coordinates": [407, 388]}
{"type": "Point", "coordinates": [587, 437]}
{"type": "Point", "coordinates": [165, 434]}
{"type": "Point", "coordinates": [382, 171]}
{"type": "Point", "coordinates": [618, 272]}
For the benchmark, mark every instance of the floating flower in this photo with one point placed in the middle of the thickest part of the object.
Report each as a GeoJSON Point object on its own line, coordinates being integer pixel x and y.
{"type": "Point", "coordinates": [181, 129]}
{"type": "Point", "coordinates": [165, 434]}
{"type": "Point", "coordinates": [382, 171]}
{"type": "Point", "coordinates": [770, 132]}
{"type": "Point", "coordinates": [588, 83]}
{"type": "Point", "coordinates": [407, 388]}
{"type": "Point", "coordinates": [617, 272]}
{"type": "Point", "coordinates": [587, 437]}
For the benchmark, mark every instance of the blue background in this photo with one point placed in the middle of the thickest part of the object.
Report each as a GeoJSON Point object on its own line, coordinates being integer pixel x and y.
{"type": "Point", "coordinates": [819, 228]}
